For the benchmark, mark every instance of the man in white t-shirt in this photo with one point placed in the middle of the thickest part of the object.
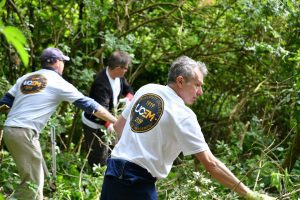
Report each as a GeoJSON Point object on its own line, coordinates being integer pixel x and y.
{"type": "Point", "coordinates": [32, 101]}
{"type": "Point", "coordinates": [154, 129]}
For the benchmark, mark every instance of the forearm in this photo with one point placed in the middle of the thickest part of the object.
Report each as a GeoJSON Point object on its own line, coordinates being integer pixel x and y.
{"type": "Point", "coordinates": [104, 114]}
{"type": "Point", "coordinates": [119, 125]}
{"type": "Point", "coordinates": [90, 106]}
{"type": "Point", "coordinates": [223, 175]}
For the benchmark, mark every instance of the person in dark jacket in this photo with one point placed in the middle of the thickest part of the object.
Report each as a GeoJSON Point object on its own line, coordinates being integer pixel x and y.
{"type": "Point", "coordinates": [108, 89]}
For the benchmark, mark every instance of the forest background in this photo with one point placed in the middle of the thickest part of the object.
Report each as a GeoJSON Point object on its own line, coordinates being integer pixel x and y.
{"type": "Point", "coordinates": [250, 110]}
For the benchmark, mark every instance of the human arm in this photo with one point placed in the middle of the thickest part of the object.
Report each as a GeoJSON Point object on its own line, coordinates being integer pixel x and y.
{"type": "Point", "coordinates": [119, 125]}
{"type": "Point", "coordinates": [223, 175]}
{"type": "Point", "coordinates": [7, 99]}
{"type": "Point", "coordinates": [4, 108]}
{"type": "Point", "coordinates": [6, 102]}
{"type": "Point", "coordinates": [92, 107]}
{"type": "Point", "coordinates": [125, 101]}
{"type": "Point", "coordinates": [104, 114]}
{"type": "Point", "coordinates": [102, 93]}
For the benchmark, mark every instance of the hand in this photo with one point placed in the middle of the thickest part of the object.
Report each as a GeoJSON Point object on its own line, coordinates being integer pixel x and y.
{"type": "Point", "coordinates": [4, 108]}
{"type": "Point", "coordinates": [124, 100]}
{"type": "Point", "coordinates": [257, 196]}
{"type": "Point", "coordinates": [110, 129]}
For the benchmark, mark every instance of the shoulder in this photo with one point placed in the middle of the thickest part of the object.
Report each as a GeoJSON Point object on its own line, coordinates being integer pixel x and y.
{"type": "Point", "coordinates": [102, 73]}
{"type": "Point", "coordinates": [101, 77]}
{"type": "Point", "coordinates": [38, 75]}
{"type": "Point", "coordinates": [152, 86]}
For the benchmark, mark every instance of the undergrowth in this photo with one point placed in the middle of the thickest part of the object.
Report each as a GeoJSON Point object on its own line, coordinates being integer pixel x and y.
{"type": "Point", "coordinates": [255, 160]}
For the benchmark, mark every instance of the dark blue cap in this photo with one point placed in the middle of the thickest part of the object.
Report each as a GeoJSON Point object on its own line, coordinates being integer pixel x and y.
{"type": "Point", "coordinates": [53, 53]}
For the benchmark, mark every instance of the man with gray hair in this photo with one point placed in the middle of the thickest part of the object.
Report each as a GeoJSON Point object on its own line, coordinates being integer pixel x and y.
{"type": "Point", "coordinates": [154, 129]}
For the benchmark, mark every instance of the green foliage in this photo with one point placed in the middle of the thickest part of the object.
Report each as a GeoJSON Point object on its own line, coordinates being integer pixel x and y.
{"type": "Point", "coordinates": [75, 179]}
{"type": "Point", "coordinates": [188, 184]}
{"type": "Point", "coordinates": [4, 85]}
{"type": "Point", "coordinates": [250, 106]}
{"type": "Point", "coordinates": [8, 177]}
{"type": "Point", "coordinates": [15, 37]}
{"type": "Point", "coordinates": [187, 181]}
{"type": "Point", "coordinates": [112, 42]}
{"type": "Point", "coordinates": [84, 79]}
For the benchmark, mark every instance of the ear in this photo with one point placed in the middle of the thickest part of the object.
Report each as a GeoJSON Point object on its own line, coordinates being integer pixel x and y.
{"type": "Point", "coordinates": [179, 81]}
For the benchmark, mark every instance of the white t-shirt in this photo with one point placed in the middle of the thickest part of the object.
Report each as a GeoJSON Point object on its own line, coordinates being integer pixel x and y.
{"type": "Point", "coordinates": [158, 127]}
{"type": "Point", "coordinates": [37, 95]}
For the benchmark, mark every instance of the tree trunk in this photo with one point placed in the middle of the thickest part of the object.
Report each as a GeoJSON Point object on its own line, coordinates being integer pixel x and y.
{"type": "Point", "coordinates": [294, 150]}
{"type": "Point", "coordinates": [293, 153]}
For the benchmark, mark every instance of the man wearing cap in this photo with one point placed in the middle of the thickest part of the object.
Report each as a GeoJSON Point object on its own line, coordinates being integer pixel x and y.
{"type": "Point", "coordinates": [32, 101]}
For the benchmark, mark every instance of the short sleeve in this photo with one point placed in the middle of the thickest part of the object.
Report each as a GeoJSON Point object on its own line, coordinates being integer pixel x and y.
{"type": "Point", "coordinates": [69, 93]}
{"type": "Point", "coordinates": [190, 136]}
{"type": "Point", "coordinates": [13, 90]}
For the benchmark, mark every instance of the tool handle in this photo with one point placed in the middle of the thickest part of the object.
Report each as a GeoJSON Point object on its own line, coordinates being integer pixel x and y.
{"type": "Point", "coordinates": [53, 144]}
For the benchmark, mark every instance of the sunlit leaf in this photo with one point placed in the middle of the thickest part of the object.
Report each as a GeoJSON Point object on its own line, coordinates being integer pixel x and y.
{"type": "Point", "coordinates": [15, 37]}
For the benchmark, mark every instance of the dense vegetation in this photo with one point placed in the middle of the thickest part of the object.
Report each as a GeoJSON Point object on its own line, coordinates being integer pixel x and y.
{"type": "Point", "coordinates": [249, 113]}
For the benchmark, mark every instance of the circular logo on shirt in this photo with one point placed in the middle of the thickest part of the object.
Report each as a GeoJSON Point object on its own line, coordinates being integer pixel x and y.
{"type": "Point", "coordinates": [146, 112]}
{"type": "Point", "coordinates": [33, 84]}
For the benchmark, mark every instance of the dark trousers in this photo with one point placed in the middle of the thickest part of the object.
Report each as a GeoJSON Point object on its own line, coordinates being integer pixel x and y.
{"type": "Point", "coordinates": [125, 180]}
{"type": "Point", "coordinates": [98, 152]}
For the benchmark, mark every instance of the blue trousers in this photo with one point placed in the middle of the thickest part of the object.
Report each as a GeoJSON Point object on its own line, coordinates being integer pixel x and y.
{"type": "Point", "coordinates": [125, 180]}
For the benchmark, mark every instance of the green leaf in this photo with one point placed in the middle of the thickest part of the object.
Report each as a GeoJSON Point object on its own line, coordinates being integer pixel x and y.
{"type": "Point", "coordinates": [15, 37]}
{"type": "Point", "coordinates": [2, 3]}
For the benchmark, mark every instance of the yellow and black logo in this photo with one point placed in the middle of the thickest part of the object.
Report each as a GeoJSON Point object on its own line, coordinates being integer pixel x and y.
{"type": "Point", "coordinates": [146, 113]}
{"type": "Point", "coordinates": [33, 84]}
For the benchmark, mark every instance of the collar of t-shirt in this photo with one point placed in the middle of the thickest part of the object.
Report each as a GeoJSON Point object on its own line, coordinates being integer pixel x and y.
{"type": "Point", "coordinates": [115, 86]}
{"type": "Point", "coordinates": [52, 69]}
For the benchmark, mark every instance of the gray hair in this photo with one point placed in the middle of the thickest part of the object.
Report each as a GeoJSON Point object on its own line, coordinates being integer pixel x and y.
{"type": "Point", "coordinates": [184, 66]}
